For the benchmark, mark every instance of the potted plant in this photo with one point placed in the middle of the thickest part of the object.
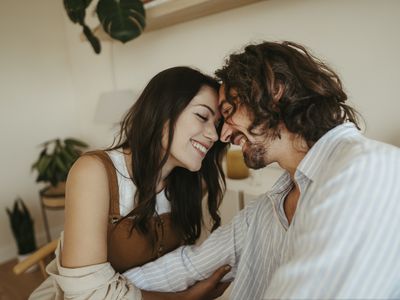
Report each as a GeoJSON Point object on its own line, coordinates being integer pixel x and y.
{"type": "Point", "coordinates": [22, 228]}
{"type": "Point", "coordinates": [122, 20]}
{"type": "Point", "coordinates": [54, 162]}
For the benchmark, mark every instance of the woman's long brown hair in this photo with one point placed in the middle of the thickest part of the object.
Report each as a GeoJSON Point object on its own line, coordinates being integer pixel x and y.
{"type": "Point", "coordinates": [161, 102]}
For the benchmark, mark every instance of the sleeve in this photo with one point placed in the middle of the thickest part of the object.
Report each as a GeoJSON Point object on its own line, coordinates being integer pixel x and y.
{"type": "Point", "coordinates": [92, 282]}
{"type": "Point", "coordinates": [181, 268]}
{"type": "Point", "coordinates": [346, 241]}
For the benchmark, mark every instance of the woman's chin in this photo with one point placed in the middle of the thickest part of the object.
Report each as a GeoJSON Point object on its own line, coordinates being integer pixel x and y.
{"type": "Point", "coordinates": [193, 167]}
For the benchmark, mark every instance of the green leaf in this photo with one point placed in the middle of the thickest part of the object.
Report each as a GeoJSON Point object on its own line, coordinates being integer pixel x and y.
{"type": "Point", "coordinates": [60, 164]}
{"type": "Point", "coordinates": [75, 142]}
{"type": "Point", "coordinates": [123, 20]}
{"type": "Point", "coordinates": [49, 142]}
{"type": "Point", "coordinates": [22, 227]}
{"type": "Point", "coordinates": [76, 9]}
{"type": "Point", "coordinates": [34, 165]}
{"type": "Point", "coordinates": [48, 174]}
{"type": "Point", "coordinates": [93, 40]}
{"type": "Point", "coordinates": [71, 150]}
{"type": "Point", "coordinates": [43, 164]}
{"type": "Point", "coordinates": [25, 211]}
{"type": "Point", "coordinates": [54, 181]}
{"type": "Point", "coordinates": [44, 151]}
{"type": "Point", "coordinates": [68, 158]}
{"type": "Point", "coordinates": [54, 166]}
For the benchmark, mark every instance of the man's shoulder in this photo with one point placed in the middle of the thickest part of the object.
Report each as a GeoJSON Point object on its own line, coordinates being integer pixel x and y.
{"type": "Point", "coordinates": [358, 160]}
{"type": "Point", "coordinates": [360, 149]}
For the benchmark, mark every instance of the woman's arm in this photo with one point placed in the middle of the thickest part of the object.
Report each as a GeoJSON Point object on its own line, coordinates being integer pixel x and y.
{"type": "Point", "coordinates": [81, 269]}
{"type": "Point", "coordinates": [85, 244]}
{"type": "Point", "coordinates": [86, 214]}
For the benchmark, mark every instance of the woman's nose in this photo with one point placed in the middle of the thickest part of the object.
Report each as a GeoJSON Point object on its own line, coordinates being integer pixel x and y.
{"type": "Point", "coordinates": [211, 133]}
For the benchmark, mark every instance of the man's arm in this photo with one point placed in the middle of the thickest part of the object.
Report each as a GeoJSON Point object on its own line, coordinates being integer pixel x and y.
{"type": "Point", "coordinates": [209, 288]}
{"type": "Point", "coordinates": [180, 269]}
{"type": "Point", "coordinates": [346, 236]}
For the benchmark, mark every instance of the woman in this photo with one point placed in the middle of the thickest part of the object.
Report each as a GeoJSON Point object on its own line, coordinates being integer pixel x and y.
{"type": "Point", "coordinates": [141, 198]}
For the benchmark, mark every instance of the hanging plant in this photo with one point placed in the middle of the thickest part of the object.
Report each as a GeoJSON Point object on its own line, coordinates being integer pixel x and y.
{"type": "Point", "coordinates": [122, 20]}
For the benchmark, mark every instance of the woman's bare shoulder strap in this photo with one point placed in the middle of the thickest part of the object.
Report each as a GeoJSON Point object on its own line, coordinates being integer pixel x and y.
{"type": "Point", "coordinates": [112, 181]}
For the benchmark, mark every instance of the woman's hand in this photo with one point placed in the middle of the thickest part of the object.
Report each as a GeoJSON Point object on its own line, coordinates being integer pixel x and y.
{"type": "Point", "coordinates": [206, 289]}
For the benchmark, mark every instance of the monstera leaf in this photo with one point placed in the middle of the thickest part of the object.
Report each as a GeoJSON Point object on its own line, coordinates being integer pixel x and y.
{"type": "Point", "coordinates": [123, 20]}
{"type": "Point", "coordinates": [76, 10]}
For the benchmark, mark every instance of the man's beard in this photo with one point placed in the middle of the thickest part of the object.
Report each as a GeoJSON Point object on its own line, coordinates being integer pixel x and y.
{"type": "Point", "coordinates": [255, 155]}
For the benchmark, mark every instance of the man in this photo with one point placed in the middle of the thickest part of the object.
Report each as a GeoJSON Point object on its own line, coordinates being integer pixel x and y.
{"type": "Point", "coordinates": [328, 228]}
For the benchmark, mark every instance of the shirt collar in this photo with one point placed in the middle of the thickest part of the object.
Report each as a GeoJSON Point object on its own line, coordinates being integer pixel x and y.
{"type": "Point", "coordinates": [314, 160]}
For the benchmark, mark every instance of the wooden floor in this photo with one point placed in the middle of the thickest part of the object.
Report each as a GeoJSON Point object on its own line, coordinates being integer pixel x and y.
{"type": "Point", "coordinates": [13, 287]}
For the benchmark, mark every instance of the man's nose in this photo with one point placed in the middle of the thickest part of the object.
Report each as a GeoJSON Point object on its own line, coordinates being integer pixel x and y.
{"type": "Point", "coordinates": [226, 133]}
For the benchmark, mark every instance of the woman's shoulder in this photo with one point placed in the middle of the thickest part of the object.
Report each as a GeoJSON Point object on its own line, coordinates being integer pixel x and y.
{"type": "Point", "coordinates": [87, 180]}
{"type": "Point", "coordinates": [88, 164]}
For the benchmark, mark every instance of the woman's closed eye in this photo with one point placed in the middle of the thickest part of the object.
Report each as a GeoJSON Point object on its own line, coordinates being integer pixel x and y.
{"type": "Point", "coordinates": [202, 117]}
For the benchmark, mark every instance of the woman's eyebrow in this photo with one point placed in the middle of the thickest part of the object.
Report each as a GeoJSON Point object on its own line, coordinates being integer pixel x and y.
{"type": "Point", "coordinates": [209, 108]}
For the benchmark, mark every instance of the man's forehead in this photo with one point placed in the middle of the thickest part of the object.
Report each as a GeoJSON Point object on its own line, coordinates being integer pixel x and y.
{"type": "Point", "coordinates": [222, 97]}
{"type": "Point", "coordinates": [221, 94]}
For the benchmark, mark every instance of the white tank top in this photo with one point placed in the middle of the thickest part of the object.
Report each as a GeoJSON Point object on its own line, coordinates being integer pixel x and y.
{"type": "Point", "coordinates": [127, 189]}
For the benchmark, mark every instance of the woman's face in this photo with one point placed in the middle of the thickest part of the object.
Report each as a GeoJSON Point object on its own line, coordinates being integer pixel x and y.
{"type": "Point", "coordinates": [195, 131]}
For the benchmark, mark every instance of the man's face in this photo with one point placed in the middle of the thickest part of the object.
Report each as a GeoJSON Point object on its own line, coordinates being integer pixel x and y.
{"type": "Point", "coordinates": [258, 150]}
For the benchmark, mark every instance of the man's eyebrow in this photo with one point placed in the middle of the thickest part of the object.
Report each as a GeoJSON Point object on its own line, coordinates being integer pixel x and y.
{"type": "Point", "coordinates": [220, 106]}
{"type": "Point", "coordinates": [209, 108]}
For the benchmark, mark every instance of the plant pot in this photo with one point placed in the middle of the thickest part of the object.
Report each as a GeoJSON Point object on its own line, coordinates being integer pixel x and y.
{"type": "Point", "coordinates": [55, 191]}
{"type": "Point", "coordinates": [22, 257]}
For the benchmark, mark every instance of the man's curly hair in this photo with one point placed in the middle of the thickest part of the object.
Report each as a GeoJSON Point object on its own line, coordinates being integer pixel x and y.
{"type": "Point", "coordinates": [312, 102]}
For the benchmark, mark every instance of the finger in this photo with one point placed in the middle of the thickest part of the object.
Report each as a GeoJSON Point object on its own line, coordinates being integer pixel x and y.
{"type": "Point", "coordinates": [220, 273]}
{"type": "Point", "coordinates": [204, 289]}
{"type": "Point", "coordinates": [220, 289]}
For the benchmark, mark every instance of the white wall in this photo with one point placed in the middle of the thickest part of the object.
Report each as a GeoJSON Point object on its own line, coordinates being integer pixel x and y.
{"type": "Point", "coordinates": [358, 38]}
{"type": "Point", "coordinates": [37, 103]}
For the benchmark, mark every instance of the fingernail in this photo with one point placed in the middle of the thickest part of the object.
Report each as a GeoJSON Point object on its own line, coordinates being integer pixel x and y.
{"type": "Point", "coordinates": [227, 268]}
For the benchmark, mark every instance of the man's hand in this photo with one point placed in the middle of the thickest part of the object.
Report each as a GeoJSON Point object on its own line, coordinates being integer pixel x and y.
{"type": "Point", "coordinates": [209, 288]}
{"type": "Point", "coordinates": [206, 289]}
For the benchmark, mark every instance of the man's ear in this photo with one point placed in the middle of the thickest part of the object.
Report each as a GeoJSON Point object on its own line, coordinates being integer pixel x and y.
{"type": "Point", "coordinates": [279, 88]}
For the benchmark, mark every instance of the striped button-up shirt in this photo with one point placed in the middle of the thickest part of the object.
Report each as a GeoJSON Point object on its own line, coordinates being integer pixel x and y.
{"type": "Point", "coordinates": [343, 241]}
